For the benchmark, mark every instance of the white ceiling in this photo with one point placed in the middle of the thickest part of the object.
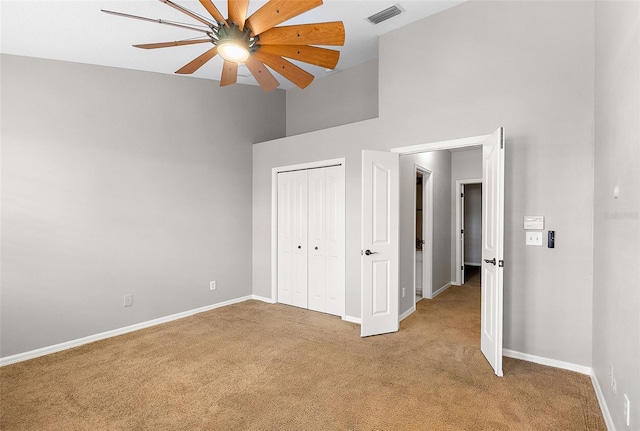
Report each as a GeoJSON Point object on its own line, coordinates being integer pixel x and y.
{"type": "Point", "coordinates": [77, 31]}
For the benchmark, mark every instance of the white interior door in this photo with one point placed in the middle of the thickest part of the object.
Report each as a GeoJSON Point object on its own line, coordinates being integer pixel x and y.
{"type": "Point", "coordinates": [334, 240]}
{"type": "Point", "coordinates": [326, 240]}
{"type": "Point", "coordinates": [317, 247]}
{"type": "Point", "coordinates": [461, 233]}
{"type": "Point", "coordinates": [380, 242]}
{"type": "Point", "coordinates": [492, 248]}
{"type": "Point", "coordinates": [292, 238]}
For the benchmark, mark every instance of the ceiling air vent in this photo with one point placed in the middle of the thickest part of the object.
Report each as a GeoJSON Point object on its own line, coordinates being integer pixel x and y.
{"type": "Point", "coordinates": [384, 15]}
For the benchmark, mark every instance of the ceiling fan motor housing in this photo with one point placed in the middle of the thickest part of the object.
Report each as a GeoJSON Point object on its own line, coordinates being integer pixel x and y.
{"type": "Point", "coordinates": [232, 38]}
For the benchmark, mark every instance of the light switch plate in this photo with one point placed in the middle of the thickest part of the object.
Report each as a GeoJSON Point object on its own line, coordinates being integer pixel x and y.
{"type": "Point", "coordinates": [534, 222]}
{"type": "Point", "coordinates": [533, 238]}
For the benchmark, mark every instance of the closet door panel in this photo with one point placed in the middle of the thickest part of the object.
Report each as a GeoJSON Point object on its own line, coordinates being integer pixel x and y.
{"type": "Point", "coordinates": [334, 240]}
{"type": "Point", "coordinates": [299, 291]}
{"type": "Point", "coordinates": [285, 237]}
{"type": "Point", "coordinates": [317, 264]}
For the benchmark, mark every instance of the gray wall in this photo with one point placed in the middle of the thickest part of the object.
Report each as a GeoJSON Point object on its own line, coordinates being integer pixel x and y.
{"type": "Point", "coordinates": [341, 98]}
{"type": "Point", "coordinates": [473, 224]}
{"type": "Point", "coordinates": [439, 163]}
{"type": "Point", "coordinates": [527, 66]}
{"type": "Point", "coordinates": [116, 182]}
{"type": "Point", "coordinates": [616, 292]}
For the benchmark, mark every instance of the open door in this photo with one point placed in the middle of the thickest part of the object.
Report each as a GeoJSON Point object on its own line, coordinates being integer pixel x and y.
{"type": "Point", "coordinates": [462, 268]}
{"type": "Point", "coordinates": [492, 248]}
{"type": "Point", "coordinates": [380, 242]}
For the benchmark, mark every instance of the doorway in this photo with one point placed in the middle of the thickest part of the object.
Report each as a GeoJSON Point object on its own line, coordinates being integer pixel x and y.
{"type": "Point", "coordinates": [492, 306]}
{"type": "Point", "coordinates": [423, 260]}
{"type": "Point", "coordinates": [468, 229]}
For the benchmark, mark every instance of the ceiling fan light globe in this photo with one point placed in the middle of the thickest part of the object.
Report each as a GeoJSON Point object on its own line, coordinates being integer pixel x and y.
{"type": "Point", "coordinates": [233, 52]}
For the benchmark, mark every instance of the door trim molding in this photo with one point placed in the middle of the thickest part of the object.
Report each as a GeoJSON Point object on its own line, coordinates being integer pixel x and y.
{"type": "Point", "coordinates": [274, 215]}
{"type": "Point", "coordinates": [441, 145]}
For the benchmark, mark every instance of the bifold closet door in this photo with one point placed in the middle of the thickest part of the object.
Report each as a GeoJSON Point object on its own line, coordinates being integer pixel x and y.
{"type": "Point", "coordinates": [292, 238]}
{"type": "Point", "coordinates": [326, 245]}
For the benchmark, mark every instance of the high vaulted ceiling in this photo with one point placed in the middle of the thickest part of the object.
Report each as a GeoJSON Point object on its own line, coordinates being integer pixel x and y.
{"type": "Point", "coordinates": [77, 31]}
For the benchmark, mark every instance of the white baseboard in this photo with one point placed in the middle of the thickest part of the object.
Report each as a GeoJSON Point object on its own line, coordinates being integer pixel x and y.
{"type": "Point", "coordinates": [606, 414]}
{"type": "Point", "coordinates": [407, 313]}
{"type": "Point", "coordinates": [442, 289]}
{"type": "Point", "coordinates": [352, 319]}
{"type": "Point", "coordinates": [263, 299]}
{"type": "Point", "coordinates": [7, 360]}
{"type": "Point", "coordinates": [547, 361]}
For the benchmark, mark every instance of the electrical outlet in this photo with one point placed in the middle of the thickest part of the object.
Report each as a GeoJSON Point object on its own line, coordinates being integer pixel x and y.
{"type": "Point", "coordinates": [212, 285]}
{"type": "Point", "coordinates": [128, 300]}
{"type": "Point", "coordinates": [627, 410]}
{"type": "Point", "coordinates": [404, 291]}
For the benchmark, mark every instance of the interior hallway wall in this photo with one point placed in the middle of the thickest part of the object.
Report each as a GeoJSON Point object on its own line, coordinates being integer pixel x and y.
{"type": "Point", "coordinates": [527, 66]}
{"type": "Point", "coordinates": [116, 182]}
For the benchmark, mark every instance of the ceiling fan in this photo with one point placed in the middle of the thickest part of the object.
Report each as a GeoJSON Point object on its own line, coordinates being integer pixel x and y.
{"type": "Point", "coordinates": [256, 41]}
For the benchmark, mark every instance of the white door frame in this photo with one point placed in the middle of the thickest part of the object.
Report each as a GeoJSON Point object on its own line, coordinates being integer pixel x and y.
{"type": "Point", "coordinates": [427, 233]}
{"type": "Point", "coordinates": [274, 217]}
{"type": "Point", "coordinates": [459, 226]}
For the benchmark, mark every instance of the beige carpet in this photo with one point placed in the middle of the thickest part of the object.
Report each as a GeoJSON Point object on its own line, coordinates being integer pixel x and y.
{"type": "Point", "coordinates": [255, 366]}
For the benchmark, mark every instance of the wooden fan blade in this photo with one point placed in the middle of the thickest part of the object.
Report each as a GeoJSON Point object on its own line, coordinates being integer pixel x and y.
{"type": "Point", "coordinates": [159, 21]}
{"type": "Point", "coordinates": [186, 11]}
{"type": "Point", "coordinates": [324, 33]}
{"type": "Point", "coordinates": [213, 10]}
{"type": "Point", "coordinates": [293, 73]}
{"type": "Point", "coordinates": [197, 62]}
{"type": "Point", "coordinates": [238, 11]}
{"type": "Point", "coordinates": [278, 11]}
{"type": "Point", "coordinates": [327, 58]}
{"type": "Point", "coordinates": [259, 71]}
{"type": "Point", "coordinates": [169, 44]}
{"type": "Point", "coordinates": [229, 73]}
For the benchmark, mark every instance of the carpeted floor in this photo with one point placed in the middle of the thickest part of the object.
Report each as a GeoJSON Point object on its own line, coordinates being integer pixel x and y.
{"type": "Point", "coordinates": [255, 366]}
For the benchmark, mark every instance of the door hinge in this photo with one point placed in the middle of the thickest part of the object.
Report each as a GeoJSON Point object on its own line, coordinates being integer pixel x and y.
{"type": "Point", "coordinates": [501, 263]}
{"type": "Point", "coordinates": [462, 231]}
{"type": "Point", "coordinates": [462, 267]}
{"type": "Point", "coordinates": [461, 195]}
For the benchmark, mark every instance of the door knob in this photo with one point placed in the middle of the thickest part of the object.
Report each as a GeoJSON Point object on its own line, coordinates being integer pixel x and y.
{"type": "Point", "coordinates": [369, 252]}
{"type": "Point", "coordinates": [492, 261]}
